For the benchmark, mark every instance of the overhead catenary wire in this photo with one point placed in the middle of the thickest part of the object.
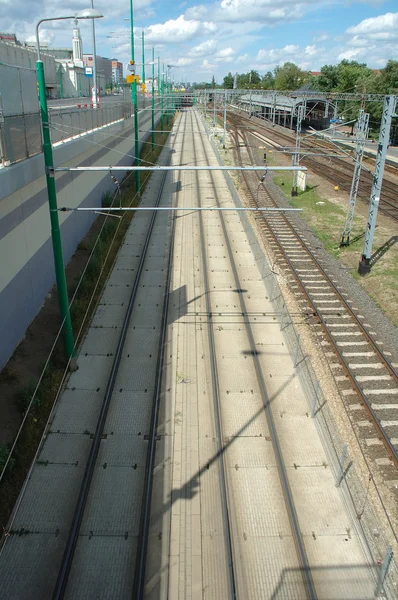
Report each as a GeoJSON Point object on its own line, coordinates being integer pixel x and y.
{"type": "Point", "coordinates": [175, 168]}
{"type": "Point", "coordinates": [183, 208]}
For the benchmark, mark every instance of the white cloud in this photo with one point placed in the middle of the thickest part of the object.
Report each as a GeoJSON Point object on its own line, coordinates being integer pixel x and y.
{"type": "Point", "coordinates": [375, 25]}
{"type": "Point", "coordinates": [311, 50]}
{"type": "Point", "coordinates": [322, 37]}
{"type": "Point", "coordinates": [183, 62]}
{"type": "Point", "coordinates": [204, 48]}
{"type": "Point", "coordinates": [372, 41]}
{"type": "Point", "coordinates": [178, 30]}
{"type": "Point", "coordinates": [263, 11]}
{"type": "Point", "coordinates": [206, 66]}
{"type": "Point", "coordinates": [196, 12]}
{"type": "Point", "coordinates": [226, 52]}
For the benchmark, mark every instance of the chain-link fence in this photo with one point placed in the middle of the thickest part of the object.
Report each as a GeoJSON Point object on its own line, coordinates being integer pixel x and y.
{"type": "Point", "coordinates": [346, 474]}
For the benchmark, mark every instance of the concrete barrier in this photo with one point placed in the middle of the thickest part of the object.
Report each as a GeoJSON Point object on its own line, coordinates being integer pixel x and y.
{"type": "Point", "coordinates": [27, 269]}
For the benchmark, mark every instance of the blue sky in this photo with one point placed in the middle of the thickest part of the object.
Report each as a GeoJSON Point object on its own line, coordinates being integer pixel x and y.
{"type": "Point", "coordinates": [214, 37]}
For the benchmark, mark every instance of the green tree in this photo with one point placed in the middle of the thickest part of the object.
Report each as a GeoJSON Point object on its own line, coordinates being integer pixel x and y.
{"type": "Point", "coordinates": [327, 80]}
{"type": "Point", "coordinates": [228, 81]}
{"type": "Point", "coordinates": [289, 77]}
{"type": "Point", "coordinates": [349, 72]}
{"type": "Point", "coordinates": [389, 77]}
{"type": "Point", "coordinates": [267, 81]}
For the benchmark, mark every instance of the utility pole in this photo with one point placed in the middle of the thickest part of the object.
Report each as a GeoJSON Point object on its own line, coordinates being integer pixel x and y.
{"type": "Point", "coordinates": [134, 101]}
{"type": "Point", "coordinates": [143, 56]}
{"type": "Point", "coordinates": [94, 95]}
{"type": "Point", "coordinates": [389, 108]}
{"type": "Point", "coordinates": [296, 155]}
{"type": "Point", "coordinates": [362, 134]}
{"type": "Point", "coordinates": [153, 98]}
{"type": "Point", "coordinates": [143, 68]}
{"type": "Point", "coordinates": [225, 118]}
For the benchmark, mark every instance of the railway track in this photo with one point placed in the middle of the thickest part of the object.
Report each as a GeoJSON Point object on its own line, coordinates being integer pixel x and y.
{"type": "Point", "coordinates": [339, 172]}
{"type": "Point", "coordinates": [307, 582]}
{"type": "Point", "coordinates": [369, 383]}
{"type": "Point", "coordinates": [119, 379]}
{"type": "Point", "coordinates": [226, 513]}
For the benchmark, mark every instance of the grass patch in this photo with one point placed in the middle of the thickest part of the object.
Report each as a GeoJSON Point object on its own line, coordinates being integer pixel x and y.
{"type": "Point", "coordinates": [99, 268]}
{"type": "Point", "coordinates": [326, 220]}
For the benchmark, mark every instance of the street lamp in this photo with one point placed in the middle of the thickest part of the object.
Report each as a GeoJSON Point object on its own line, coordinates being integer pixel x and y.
{"type": "Point", "coordinates": [134, 101]}
{"type": "Point", "coordinates": [63, 300]}
{"type": "Point", "coordinates": [94, 95]}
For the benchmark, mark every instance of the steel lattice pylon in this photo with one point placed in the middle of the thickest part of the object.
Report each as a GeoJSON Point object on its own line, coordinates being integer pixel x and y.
{"type": "Point", "coordinates": [362, 134]}
{"type": "Point", "coordinates": [389, 108]}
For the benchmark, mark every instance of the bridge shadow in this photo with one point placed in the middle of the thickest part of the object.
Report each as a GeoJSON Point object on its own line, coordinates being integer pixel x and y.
{"type": "Point", "coordinates": [380, 252]}
{"type": "Point", "coordinates": [349, 581]}
{"type": "Point", "coordinates": [189, 489]}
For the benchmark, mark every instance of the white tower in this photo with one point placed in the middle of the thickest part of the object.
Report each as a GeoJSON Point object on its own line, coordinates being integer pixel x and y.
{"type": "Point", "coordinates": [77, 47]}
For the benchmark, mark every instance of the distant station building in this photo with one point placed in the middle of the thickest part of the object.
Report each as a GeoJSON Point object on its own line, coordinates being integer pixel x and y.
{"type": "Point", "coordinates": [64, 68]}
{"type": "Point", "coordinates": [10, 38]}
{"type": "Point", "coordinates": [283, 109]}
{"type": "Point", "coordinates": [117, 73]}
{"type": "Point", "coordinates": [104, 68]}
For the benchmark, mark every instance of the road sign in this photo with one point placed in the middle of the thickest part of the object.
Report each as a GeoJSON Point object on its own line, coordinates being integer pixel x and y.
{"type": "Point", "coordinates": [88, 71]}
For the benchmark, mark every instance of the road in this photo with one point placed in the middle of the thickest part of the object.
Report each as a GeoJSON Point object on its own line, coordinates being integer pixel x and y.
{"type": "Point", "coordinates": [70, 102]}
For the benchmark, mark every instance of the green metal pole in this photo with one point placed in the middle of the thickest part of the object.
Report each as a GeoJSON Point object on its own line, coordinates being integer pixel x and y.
{"type": "Point", "coordinates": [153, 99]}
{"type": "Point", "coordinates": [63, 300]}
{"type": "Point", "coordinates": [162, 92]}
{"type": "Point", "coordinates": [167, 98]}
{"type": "Point", "coordinates": [134, 101]}
{"type": "Point", "coordinates": [143, 57]}
{"type": "Point", "coordinates": [160, 95]}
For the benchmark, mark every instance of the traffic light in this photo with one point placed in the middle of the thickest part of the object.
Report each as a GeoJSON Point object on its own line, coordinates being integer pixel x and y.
{"type": "Point", "coordinates": [143, 88]}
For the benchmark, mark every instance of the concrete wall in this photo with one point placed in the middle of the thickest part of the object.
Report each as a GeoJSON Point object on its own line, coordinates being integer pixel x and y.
{"type": "Point", "coordinates": [22, 57]}
{"type": "Point", "coordinates": [27, 270]}
{"type": "Point", "coordinates": [74, 82]}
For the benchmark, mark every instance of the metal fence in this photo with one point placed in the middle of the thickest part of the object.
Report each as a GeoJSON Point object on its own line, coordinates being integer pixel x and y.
{"type": "Point", "coordinates": [357, 489]}
{"type": "Point", "coordinates": [67, 123]}
{"type": "Point", "coordinates": [20, 131]}
{"type": "Point", "coordinates": [20, 127]}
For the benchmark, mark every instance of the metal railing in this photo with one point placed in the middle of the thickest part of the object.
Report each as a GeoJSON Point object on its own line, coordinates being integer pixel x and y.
{"type": "Point", "coordinates": [67, 123]}
{"type": "Point", "coordinates": [20, 134]}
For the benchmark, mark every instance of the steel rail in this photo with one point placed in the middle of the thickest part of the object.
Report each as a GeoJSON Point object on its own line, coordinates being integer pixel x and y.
{"type": "Point", "coordinates": [291, 509]}
{"type": "Point", "coordinates": [380, 353]}
{"type": "Point", "coordinates": [66, 563]}
{"type": "Point", "coordinates": [216, 398]}
{"type": "Point", "coordinates": [143, 534]}
{"type": "Point", "coordinates": [343, 172]}
{"type": "Point", "coordinates": [366, 403]}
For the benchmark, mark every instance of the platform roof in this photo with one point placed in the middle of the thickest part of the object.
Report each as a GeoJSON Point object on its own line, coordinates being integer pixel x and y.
{"type": "Point", "coordinates": [285, 103]}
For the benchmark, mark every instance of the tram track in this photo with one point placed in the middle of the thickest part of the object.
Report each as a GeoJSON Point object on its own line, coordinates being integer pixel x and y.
{"type": "Point", "coordinates": [369, 386]}
{"type": "Point", "coordinates": [308, 584]}
{"type": "Point", "coordinates": [78, 514]}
